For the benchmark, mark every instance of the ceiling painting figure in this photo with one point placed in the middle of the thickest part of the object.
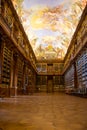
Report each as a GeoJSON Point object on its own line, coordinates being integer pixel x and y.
{"type": "Point", "coordinates": [49, 24]}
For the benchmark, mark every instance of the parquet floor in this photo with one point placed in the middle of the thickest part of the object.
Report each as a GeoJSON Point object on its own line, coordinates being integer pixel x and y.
{"type": "Point", "coordinates": [43, 111]}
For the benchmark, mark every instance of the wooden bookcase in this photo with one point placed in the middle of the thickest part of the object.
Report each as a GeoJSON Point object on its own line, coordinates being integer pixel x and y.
{"type": "Point", "coordinates": [69, 77]}
{"type": "Point", "coordinates": [82, 69]}
{"type": "Point", "coordinates": [20, 73]}
{"type": "Point", "coordinates": [6, 67]}
{"type": "Point", "coordinates": [58, 83]}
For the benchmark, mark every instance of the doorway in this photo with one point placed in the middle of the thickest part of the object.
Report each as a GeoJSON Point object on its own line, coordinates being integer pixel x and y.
{"type": "Point", "coordinates": [50, 84]}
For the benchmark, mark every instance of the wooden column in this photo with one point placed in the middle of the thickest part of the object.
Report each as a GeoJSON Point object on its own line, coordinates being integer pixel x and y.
{"type": "Point", "coordinates": [11, 80]}
{"type": "Point", "coordinates": [15, 72]}
{"type": "Point", "coordinates": [32, 80]}
{"type": "Point", "coordinates": [23, 80]}
{"type": "Point", "coordinates": [1, 58]}
{"type": "Point", "coordinates": [0, 61]}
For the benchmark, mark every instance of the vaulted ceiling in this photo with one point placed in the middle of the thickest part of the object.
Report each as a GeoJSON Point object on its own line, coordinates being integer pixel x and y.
{"type": "Point", "coordinates": [49, 24]}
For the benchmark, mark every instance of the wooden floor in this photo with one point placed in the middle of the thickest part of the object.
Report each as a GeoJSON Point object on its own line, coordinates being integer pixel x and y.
{"type": "Point", "coordinates": [43, 111]}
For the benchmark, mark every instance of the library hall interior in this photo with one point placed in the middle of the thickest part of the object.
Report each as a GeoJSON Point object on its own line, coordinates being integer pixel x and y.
{"type": "Point", "coordinates": [43, 64]}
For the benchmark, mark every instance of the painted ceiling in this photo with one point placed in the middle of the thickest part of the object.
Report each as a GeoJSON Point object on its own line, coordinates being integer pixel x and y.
{"type": "Point", "coordinates": [49, 24]}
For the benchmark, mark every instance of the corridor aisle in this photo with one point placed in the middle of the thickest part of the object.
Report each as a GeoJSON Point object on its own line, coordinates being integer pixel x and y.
{"type": "Point", "coordinates": [43, 112]}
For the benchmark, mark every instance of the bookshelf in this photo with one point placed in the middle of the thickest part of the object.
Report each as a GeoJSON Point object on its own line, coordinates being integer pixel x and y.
{"type": "Point", "coordinates": [69, 77]}
{"type": "Point", "coordinates": [26, 80]}
{"type": "Point", "coordinates": [50, 68]}
{"type": "Point", "coordinates": [82, 69]}
{"type": "Point", "coordinates": [58, 83]}
{"type": "Point", "coordinates": [30, 77]}
{"type": "Point", "coordinates": [44, 67]}
{"type": "Point", "coordinates": [26, 77]}
{"type": "Point", "coordinates": [6, 67]}
{"type": "Point", "coordinates": [58, 67]}
{"type": "Point", "coordinates": [38, 66]}
{"type": "Point", "coordinates": [41, 83]}
{"type": "Point", "coordinates": [20, 73]}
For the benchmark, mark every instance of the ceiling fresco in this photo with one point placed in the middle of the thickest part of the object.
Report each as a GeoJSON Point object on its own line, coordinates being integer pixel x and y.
{"type": "Point", "coordinates": [49, 24]}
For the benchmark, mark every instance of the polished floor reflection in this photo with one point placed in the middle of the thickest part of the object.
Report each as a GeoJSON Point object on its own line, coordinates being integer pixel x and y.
{"type": "Point", "coordinates": [43, 112]}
